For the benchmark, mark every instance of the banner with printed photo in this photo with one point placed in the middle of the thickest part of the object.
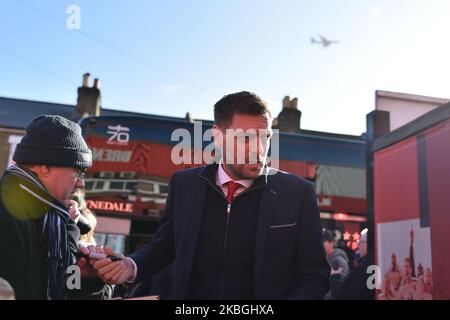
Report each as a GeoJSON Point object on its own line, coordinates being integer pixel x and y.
{"type": "Point", "coordinates": [411, 205]}
{"type": "Point", "coordinates": [404, 258]}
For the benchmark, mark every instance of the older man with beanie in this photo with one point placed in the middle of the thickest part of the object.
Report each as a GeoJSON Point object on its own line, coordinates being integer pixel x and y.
{"type": "Point", "coordinates": [38, 232]}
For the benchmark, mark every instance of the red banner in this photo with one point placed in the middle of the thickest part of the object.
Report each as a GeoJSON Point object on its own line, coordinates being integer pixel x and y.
{"type": "Point", "coordinates": [155, 159]}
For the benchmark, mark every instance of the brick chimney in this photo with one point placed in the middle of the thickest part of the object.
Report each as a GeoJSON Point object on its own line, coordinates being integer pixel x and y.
{"type": "Point", "coordinates": [289, 118]}
{"type": "Point", "coordinates": [88, 102]}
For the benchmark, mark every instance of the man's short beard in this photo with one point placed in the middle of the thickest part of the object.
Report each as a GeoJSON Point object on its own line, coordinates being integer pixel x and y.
{"type": "Point", "coordinates": [240, 174]}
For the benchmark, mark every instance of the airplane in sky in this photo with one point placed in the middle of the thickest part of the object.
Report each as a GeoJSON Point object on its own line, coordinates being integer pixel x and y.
{"type": "Point", "coordinates": [323, 41]}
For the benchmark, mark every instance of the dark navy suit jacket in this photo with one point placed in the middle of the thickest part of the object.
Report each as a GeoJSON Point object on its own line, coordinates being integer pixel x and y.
{"type": "Point", "coordinates": [290, 260]}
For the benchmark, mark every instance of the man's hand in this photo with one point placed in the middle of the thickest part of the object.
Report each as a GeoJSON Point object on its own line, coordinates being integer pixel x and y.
{"type": "Point", "coordinates": [86, 268]}
{"type": "Point", "coordinates": [114, 272]}
{"type": "Point", "coordinates": [73, 210]}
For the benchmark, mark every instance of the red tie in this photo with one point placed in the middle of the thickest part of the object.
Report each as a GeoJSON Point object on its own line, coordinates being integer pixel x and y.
{"type": "Point", "coordinates": [232, 187]}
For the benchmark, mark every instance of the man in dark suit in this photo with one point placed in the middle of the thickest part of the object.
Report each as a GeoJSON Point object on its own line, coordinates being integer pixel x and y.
{"type": "Point", "coordinates": [237, 229]}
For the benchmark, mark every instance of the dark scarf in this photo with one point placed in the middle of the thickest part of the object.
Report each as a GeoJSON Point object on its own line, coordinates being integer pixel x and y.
{"type": "Point", "coordinates": [54, 231]}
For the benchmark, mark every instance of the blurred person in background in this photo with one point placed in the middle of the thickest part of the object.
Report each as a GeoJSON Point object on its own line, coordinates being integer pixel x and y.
{"type": "Point", "coordinates": [92, 288]}
{"type": "Point", "coordinates": [354, 286]}
{"type": "Point", "coordinates": [337, 259]}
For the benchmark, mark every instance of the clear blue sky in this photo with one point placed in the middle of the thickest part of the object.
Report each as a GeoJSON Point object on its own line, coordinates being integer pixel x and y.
{"type": "Point", "coordinates": [169, 57]}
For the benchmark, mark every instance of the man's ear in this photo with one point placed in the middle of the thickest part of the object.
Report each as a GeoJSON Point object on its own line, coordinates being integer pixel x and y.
{"type": "Point", "coordinates": [45, 170]}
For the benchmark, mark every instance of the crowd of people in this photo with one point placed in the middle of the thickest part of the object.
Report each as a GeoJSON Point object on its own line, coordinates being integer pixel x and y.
{"type": "Point", "coordinates": [348, 277]}
{"type": "Point", "coordinates": [230, 230]}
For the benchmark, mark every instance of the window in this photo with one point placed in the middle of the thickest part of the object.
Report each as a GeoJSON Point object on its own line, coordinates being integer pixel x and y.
{"type": "Point", "coordinates": [126, 175]}
{"type": "Point", "coordinates": [117, 185]}
{"type": "Point", "coordinates": [88, 185]}
{"type": "Point", "coordinates": [146, 187]}
{"type": "Point", "coordinates": [163, 188]}
{"type": "Point", "coordinates": [131, 186]}
{"type": "Point", "coordinates": [99, 185]}
{"type": "Point", "coordinates": [106, 174]}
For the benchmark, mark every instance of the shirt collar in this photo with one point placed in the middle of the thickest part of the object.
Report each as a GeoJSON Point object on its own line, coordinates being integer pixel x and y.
{"type": "Point", "coordinates": [222, 177]}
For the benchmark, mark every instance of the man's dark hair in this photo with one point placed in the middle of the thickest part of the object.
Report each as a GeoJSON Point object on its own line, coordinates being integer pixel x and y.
{"type": "Point", "coordinates": [243, 102]}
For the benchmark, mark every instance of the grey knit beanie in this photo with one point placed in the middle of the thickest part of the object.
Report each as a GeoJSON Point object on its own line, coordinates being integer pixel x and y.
{"type": "Point", "coordinates": [54, 141]}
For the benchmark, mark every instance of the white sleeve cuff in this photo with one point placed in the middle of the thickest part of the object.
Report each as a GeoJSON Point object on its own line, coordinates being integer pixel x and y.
{"type": "Point", "coordinates": [135, 270]}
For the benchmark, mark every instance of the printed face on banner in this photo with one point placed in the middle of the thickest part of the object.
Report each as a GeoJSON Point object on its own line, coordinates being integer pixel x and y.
{"type": "Point", "coordinates": [404, 257]}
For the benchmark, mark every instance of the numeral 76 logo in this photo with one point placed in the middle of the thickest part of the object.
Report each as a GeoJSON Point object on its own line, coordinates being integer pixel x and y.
{"type": "Point", "coordinates": [119, 134]}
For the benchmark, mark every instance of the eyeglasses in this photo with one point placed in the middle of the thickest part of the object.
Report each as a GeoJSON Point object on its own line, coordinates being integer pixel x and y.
{"type": "Point", "coordinates": [79, 173]}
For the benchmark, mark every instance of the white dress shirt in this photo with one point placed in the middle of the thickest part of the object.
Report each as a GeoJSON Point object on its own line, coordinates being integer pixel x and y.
{"type": "Point", "coordinates": [222, 178]}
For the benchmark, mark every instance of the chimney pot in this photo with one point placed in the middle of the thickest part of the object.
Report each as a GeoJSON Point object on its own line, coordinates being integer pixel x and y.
{"type": "Point", "coordinates": [86, 77]}
{"type": "Point", "coordinates": [289, 118]}
{"type": "Point", "coordinates": [286, 102]}
{"type": "Point", "coordinates": [89, 98]}
{"type": "Point", "coordinates": [294, 103]}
